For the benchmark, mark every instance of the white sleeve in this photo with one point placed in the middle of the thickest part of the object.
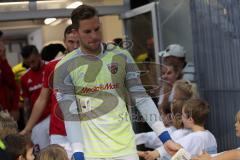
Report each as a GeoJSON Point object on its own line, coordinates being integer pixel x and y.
{"type": "Point", "coordinates": [65, 95]}
{"type": "Point", "coordinates": [140, 98]}
{"type": "Point", "coordinates": [140, 138]}
{"type": "Point", "coordinates": [160, 97]}
{"type": "Point", "coordinates": [153, 140]}
{"type": "Point", "coordinates": [149, 139]}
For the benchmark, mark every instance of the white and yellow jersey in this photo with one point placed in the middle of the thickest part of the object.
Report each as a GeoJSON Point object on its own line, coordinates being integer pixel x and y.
{"type": "Point", "coordinates": [98, 84]}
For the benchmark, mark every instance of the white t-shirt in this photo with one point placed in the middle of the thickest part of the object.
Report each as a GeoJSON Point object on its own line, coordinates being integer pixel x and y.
{"type": "Point", "coordinates": [194, 143]}
{"type": "Point", "coordinates": [188, 72]}
{"type": "Point", "coordinates": [180, 133]}
{"type": "Point", "coordinates": [170, 98]}
{"type": "Point", "coordinates": [151, 140]}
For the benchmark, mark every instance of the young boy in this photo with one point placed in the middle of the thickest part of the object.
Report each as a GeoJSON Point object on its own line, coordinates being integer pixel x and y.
{"type": "Point", "coordinates": [194, 115]}
{"type": "Point", "coordinates": [150, 139]}
{"type": "Point", "coordinates": [233, 154]}
{"type": "Point", "coordinates": [182, 91]}
{"type": "Point", "coordinates": [19, 147]}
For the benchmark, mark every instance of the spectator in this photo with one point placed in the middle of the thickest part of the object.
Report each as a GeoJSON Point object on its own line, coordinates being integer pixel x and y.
{"type": "Point", "coordinates": [176, 54]}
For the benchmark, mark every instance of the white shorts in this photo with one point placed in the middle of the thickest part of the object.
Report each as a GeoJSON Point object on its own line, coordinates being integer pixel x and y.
{"type": "Point", "coordinates": [40, 133]}
{"type": "Point", "coordinates": [62, 141]}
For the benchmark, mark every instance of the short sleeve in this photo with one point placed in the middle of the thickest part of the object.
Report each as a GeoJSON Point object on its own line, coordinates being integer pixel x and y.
{"type": "Point", "coordinates": [48, 76]}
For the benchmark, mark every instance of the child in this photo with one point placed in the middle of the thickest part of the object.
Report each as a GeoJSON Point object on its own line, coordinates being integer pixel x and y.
{"type": "Point", "coordinates": [194, 115]}
{"type": "Point", "coordinates": [7, 125]}
{"type": "Point", "coordinates": [227, 155]}
{"type": "Point", "coordinates": [53, 152]}
{"type": "Point", "coordinates": [19, 147]}
{"type": "Point", "coordinates": [172, 74]}
{"type": "Point", "coordinates": [182, 90]}
{"type": "Point", "coordinates": [176, 109]}
{"type": "Point", "coordinates": [150, 139]}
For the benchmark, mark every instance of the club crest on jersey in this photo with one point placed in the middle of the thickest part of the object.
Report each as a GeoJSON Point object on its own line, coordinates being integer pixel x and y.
{"type": "Point", "coordinates": [29, 81]}
{"type": "Point", "coordinates": [113, 68]}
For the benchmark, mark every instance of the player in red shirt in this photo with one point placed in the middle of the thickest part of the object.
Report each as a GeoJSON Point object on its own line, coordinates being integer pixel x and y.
{"type": "Point", "coordinates": [31, 83]}
{"type": "Point", "coordinates": [9, 91]}
{"type": "Point", "coordinates": [57, 128]}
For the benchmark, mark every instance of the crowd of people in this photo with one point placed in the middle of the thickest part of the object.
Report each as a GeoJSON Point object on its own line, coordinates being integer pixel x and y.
{"type": "Point", "coordinates": [75, 97]}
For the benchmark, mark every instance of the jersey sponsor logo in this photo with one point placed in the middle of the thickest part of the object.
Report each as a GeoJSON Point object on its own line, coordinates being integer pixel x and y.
{"type": "Point", "coordinates": [29, 81]}
{"type": "Point", "coordinates": [101, 87]}
{"type": "Point", "coordinates": [113, 68]}
{"type": "Point", "coordinates": [33, 88]}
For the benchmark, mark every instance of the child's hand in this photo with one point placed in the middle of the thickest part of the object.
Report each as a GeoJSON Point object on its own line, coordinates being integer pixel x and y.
{"type": "Point", "coordinates": [172, 147]}
{"type": "Point", "coordinates": [151, 155]}
{"type": "Point", "coordinates": [204, 156]}
{"type": "Point", "coordinates": [166, 90]}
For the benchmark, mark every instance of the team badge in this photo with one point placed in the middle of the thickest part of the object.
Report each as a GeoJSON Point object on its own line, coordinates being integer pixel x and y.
{"type": "Point", "coordinates": [29, 81]}
{"type": "Point", "coordinates": [113, 68]}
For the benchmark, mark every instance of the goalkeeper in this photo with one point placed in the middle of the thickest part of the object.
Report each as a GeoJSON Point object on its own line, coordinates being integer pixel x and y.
{"type": "Point", "coordinates": [91, 85]}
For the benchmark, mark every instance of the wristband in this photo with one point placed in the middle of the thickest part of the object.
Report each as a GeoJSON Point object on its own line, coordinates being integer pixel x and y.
{"type": "Point", "coordinates": [78, 156]}
{"type": "Point", "coordinates": [164, 137]}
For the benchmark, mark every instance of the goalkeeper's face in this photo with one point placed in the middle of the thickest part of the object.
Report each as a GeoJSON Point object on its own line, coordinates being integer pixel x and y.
{"type": "Point", "coordinates": [90, 35]}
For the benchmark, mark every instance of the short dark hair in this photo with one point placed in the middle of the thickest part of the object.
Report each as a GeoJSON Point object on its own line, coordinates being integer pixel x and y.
{"type": "Point", "coordinates": [28, 50]}
{"type": "Point", "coordinates": [197, 109]}
{"type": "Point", "coordinates": [17, 145]}
{"type": "Point", "coordinates": [81, 13]}
{"type": "Point", "coordinates": [50, 51]}
{"type": "Point", "coordinates": [1, 33]}
{"type": "Point", "coordinates": [69, 29]}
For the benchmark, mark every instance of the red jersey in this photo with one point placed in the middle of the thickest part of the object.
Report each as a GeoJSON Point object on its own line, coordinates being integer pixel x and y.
{"type": "Point", "coordinates": [9, 91]}
{"type": "Point", "coordinates": [31, 83]}
{"type": "Point", "coordinates": [56, 118]}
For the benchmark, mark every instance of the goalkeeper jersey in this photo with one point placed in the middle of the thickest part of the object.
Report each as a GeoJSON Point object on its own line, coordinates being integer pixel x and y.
{"type": "Point", "coordinates": [98, 85]}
